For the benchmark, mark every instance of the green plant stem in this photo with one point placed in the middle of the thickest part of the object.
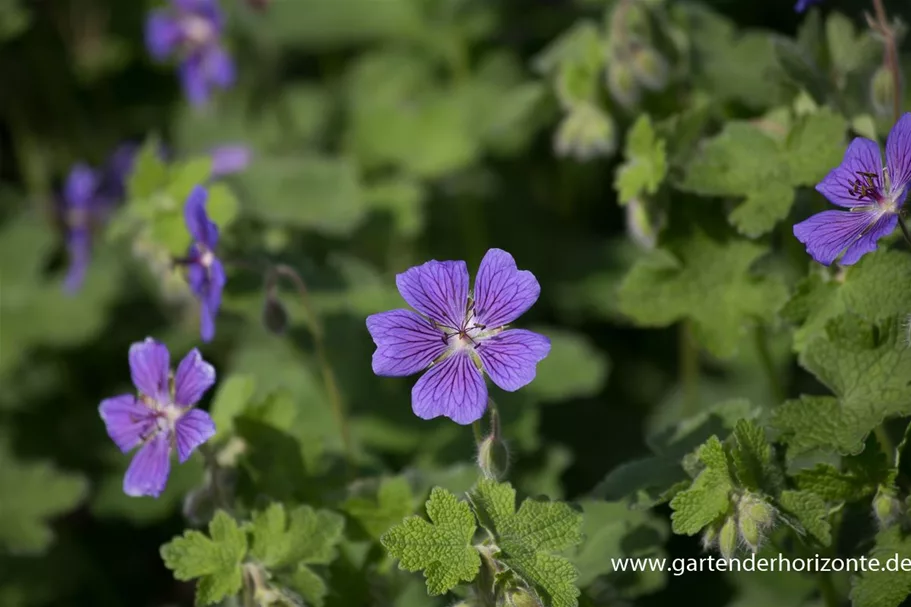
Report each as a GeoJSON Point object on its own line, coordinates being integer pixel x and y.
{"type": "Point", "coordinates": [885, 443]}
{"type": "Point", "coordinates": [827, 590]}
{"type": "Point", "coordinates": [761, 339]}
{"type": "Point", "coordinates": [478, 432]}
{"type": "Point", "coordinates": [689, 369]}
{"type": "Point", "coordinates": [890, 55]}
{"type": "Point", "coordinates": [328, 375]}
{"type": "Point", "coordinates": [222, 500]}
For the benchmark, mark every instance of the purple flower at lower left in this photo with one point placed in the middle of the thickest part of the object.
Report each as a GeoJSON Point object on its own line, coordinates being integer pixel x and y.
{"type": "Point", "coordinates": [162, 417]}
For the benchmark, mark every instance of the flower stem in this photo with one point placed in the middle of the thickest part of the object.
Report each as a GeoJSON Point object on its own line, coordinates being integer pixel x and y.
{"type": "Point", "coordinates": [319, 344]}
{"type": "Point", "coordinates": [885, 443]}
{"type": "Point", "coordinates": [222, 501]}
{"type": "Point", "coordinates": [768, 364]}
{"type": "Point", "coordinates": [689, 368]}
{"type": "Point", "coordinates": [478, 433]}
{"type": "Point", "coordinates": [890, 55]}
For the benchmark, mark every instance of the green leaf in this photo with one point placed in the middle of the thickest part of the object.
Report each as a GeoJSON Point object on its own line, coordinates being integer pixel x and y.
{"type": "Point", "coordinates": [442, 547]}
{"type": "Point", "coordinates": [814, 146]}
{"type": "Point", "coordinates": [303, 535]}
{"type": "Point", "coordinates": [574, 367]}
{"type": "Point", "coordinates": [150, 172]}
{"type": "Point", "coordinates": [706, 281]}
{"type": "Point", "coordinates": [708, 498]}
{"type": "Point", "coordinates": [886, 587]}
{"type": "Point", "coordinates": [31, 493]}
{"type": "Point", "coordinates": [810, 512]}
{"type": "Point", "coordinates": [867, 366]}
{"type": "Point", "coordinates": [801, 69]}
{"type": "Point", "coordinates": [231, 399]}
{"type": "Point", "coordinates": [860, 476]}
{"type": "Point", "coordinates": [646, 162]}
{"type": "Point", "coordinates": [751, 456]}
{"type": "Point", "coordinates": [526, 539]}
{"type": "Point", "coordinates": [394, 501]}
{"type": "Point", "coordinates": [215, 560]}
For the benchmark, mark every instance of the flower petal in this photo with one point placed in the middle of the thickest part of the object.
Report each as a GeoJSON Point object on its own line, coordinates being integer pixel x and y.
{"type": "Point", "coordinates": [510, 358]}
{"type": "Point", "coordinates": [80, 185]}
{"type": "Point", "coordinates": [405, 342]}
{"type": "Point", "coordinates": [149, 368]}
{"type": "Point", "coordinates": [162, 34]}
{"type": "Point", "coordinates": [829, 233]}
{"type": "Point", "coordinates": [79, 250]}
{"type": "Point", "coordinates": [127, 420]}
{"type": "Point", "coordinates": [197, 220]}
{"type": "Point", "coordinates": [210, 299]}
{"type": "Point", "coordinates": [193, 429]}
{"type": "Point", "coordinates": [502, 292]}
{"type": "Point", "coordinates": [453, 388]}
{"type": "Point", "coordinates": [437, 289]}
{"type": "Point", "coordinates": [862, 156]}
{"type": "Point", "coordinates": [193, 79]}
{"type": "Point", "coordinates": [227, 159]}
{"type": "Point", "coordinates": [149, 470]}
{"type": "Point", "coordinates": [194, 376]}
{"type": "Point", "coordinates": [898, 154]}
{"type": "Point", "coordinates": [219, 67]}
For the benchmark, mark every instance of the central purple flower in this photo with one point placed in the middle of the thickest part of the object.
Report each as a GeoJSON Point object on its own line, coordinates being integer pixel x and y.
{"type": "Point", "coordinates": [162, 417]}
{"type": "Point", "coordinates": [872, 194]}
{"type": "Point", "coordinates": [459, 336]}
{"type": "Point", "coordinates": [192, 28]}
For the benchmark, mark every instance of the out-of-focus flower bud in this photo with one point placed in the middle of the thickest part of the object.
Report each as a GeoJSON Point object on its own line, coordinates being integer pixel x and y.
{"type": "Point", "coordinates": [882, 90]}
{"type": "Point", "coordinates": [275, 316]}
{"type": "Point", "coordinates": [710, 536]}
{"type": "Point", "coordinates": [493, 457]}
{"type": "Point", "coordinates": [585, 133]}
{"type": "Point", "coordinates": [649, 67]}
{"type": "Point", "coordinates": [887, 508]}
{"type": "Point", "coordinates": [727, 538]}
{"type": "Point", "coordinates": [622, 82]}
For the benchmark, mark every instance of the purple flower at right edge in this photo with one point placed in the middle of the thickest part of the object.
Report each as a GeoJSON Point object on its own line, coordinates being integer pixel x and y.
{"type": "Point", "coordinates": [192, 29]}
{"type": "Point", "coordinates": [161, 417]}
{"type": "Point", "coordinates": [205, 272]}
{"type": "Point", "coordinates": [873, 196]}
{"type": "Point", "coordinates": [458, 337]}
{"type": "Point", "coordinates": [803, 5]}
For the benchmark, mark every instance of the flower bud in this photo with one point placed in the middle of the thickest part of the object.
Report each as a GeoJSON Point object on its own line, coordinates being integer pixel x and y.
{"type": "Point", "coordinates": [621, 82]}
{"type": "Point", "coordinates": [710, 536]}
{"type": "Point", "coordinates": [576, 83]}
{"type": "Point", "coordinates": [754, 517]}
{"type": "Point", "coordinates": [520, 597]}
{"type": "Point", "coordinates": [886, 507]}
{"type": "Point", "coordinates": [586, 132]}
{"type": "Point", "coordinates": [640, 225]}
{"type": "Point", "coordinates": [275, 317]}
{"type": "Point", "coordinates": [493, 457]}
{"type": "Point", "coordinates": [882, 90]}
{"type": "Point", "coordinates": [649, 68]}
{"type": "Point", "coordinates": [727, 538]}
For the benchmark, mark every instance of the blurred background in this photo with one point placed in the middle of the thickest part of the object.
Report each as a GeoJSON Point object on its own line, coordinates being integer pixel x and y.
{"type": "Point", "coordinates": [374, 135]}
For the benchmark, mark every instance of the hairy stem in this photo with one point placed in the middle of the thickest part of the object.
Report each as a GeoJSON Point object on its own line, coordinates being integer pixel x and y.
{"type": "Point", "coordinates": [890, 55]}
{"type": "Point", "coordinates": [478, 432]}
{"type": "Point", "coordinates": [222, 500]}
{"type": "Point", "coordinates": [319, 344]}
{"type": "Point", "coordinates": [689, 368]}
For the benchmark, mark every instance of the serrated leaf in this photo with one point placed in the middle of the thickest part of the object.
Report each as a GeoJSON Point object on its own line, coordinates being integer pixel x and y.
{"type": "Point", "coordinates": [31, 493]}
{"type": "Point", "coordinates": [810, 511]}
{"type": "Point", "coordinates": [303, 535]}
{"type": "Point", "coordinates": [394, 500]}
{"type": "Point", "coordinates": [801, 69]}
{"type": "Point", "coordinates": [708, 497]}
{"type": "Point", "coordinates": [526, 539]}
{"type": "Point", "coordinates": [214, 560]}
{"type": "Point", "coordinates": [751, 456]}
{"type": "Point", "coordinates": [815, 146]}
{"type": "Point", "coordinates": [704, 280]}
{"type": "Point", "coordinates": [442, 547]}
{"type": "Point", "coordinates": [867, 366]}
{"type": "Point", "coordinates": [860, 477]}
{"type": "Point", "coordinates": [646, 162]}
{"type": "Point", "coordinates": [885, 588]}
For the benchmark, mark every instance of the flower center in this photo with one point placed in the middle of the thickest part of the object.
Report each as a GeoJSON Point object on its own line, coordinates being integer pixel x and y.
{"type": "Point", "coordinates": [166, 414]}
{"type": "Point", "coordinates": [197, 31]}
{"type": "Point", "coordinates": [77, 217]}
{"type": "Point", "coordinates": [206, 257]}
{"type": "Point", "coordinates": [469, 335]}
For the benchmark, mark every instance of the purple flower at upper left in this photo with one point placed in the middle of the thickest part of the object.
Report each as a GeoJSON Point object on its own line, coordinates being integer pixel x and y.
{"type": "Point", "coordinates": [162, 417]}
{"type": "Point", "coordinates": [192, 30]}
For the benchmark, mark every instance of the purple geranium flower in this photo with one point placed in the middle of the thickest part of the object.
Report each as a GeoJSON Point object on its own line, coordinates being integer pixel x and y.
{"type": "Point", "coordinates": [192, 28]}
{"type": "Point", "coordinates": [78, 202]}
{"type": "Point", "coordinates": [228, 159]}
{"type": "Point", "coordinates": [162, 417]}
{"type": "Point", "coordinates": [873, 196]}
{"type": "Point", "coordinates": [205, 271]}
{"type": "Point", "coordinates": [803, 5]}
{"type": "Point", "coordinates": [459, 336]}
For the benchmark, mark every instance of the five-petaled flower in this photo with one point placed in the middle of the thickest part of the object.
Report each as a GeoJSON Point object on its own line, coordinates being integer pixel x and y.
{"type": "Point", "coordinates": [192, 28]}
{"type": "Point", "coordinates": [458, 335]}
{"type": "Point", "coordinates": [161, 417]}
{"type": "Point", "coordinates": [803, 5]}
{"type": "Point", "coordinates": [872, 194]}
{"type": "Point", "coordinates": [205, 272]}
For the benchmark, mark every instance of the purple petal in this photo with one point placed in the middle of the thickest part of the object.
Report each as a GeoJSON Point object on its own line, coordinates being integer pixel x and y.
{"type": "Point", "coordinates": [405, 342]}
{"type": "Point", "coordinates": [219, 67]}
{"type": "Point", "coordinates": [194, 376]}
{"type": "Point", "coordinates": [862, 156]}
{"type": "Point", "coordinates": [898, 154]}
{"type": "Point", "coordinates": [211, 300]}
{"type": "Point", "coordinates": [79, 249]}
{"type": "Point", "coordinates": [502, 292]}
{"type": "Point", "coordinates": [209, 9]}
{"type": "Point", "coordinates": [192, 429]}
{"type": "Point", "coordinates": [162, 33]}
{"type": "Point", "coordinates": [149, 368]}
{"type": "Point", "coordinates": [829, 233]}
{"type": "Point", "coordinates": [79, 188]}
{"type": "Point", "coordinates": [197, 276]}
{"type": "Point", "coordinates": [227, 159]}
{"type": "Point", "coordinates": [127, 420]}
{"type": "Point", "coordinates": [803, 5]}
{"type": "Point", "coordinates": [510, 357]}
{"type": "Point", "coordinates": [148, 472]}
{"type": "Point", "coordinates": [437, 289]}
{"type": "Point", "coordinates": [193, 80]}
{"type": "Point", "coordinates": [453, 388]}
{"type": "Point", "coordinates": [197, 220]}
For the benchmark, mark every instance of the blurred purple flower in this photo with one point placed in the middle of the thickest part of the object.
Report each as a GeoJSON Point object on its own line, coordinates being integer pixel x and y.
{"type": "Point", "coordinates": [873, 196]}
{"type": "Point", "coordinates": [803, 5]}
{"type": "Point", "coordinates": [192, 29]}
{"type": "Point", "coordinates": [459, 336]}
{"type": "Point", "coordinates": [228, 159]}
{"type": "Point", "coordinates": [161, 418]}
{"type": "Point", "coordinates": [205, 272]}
